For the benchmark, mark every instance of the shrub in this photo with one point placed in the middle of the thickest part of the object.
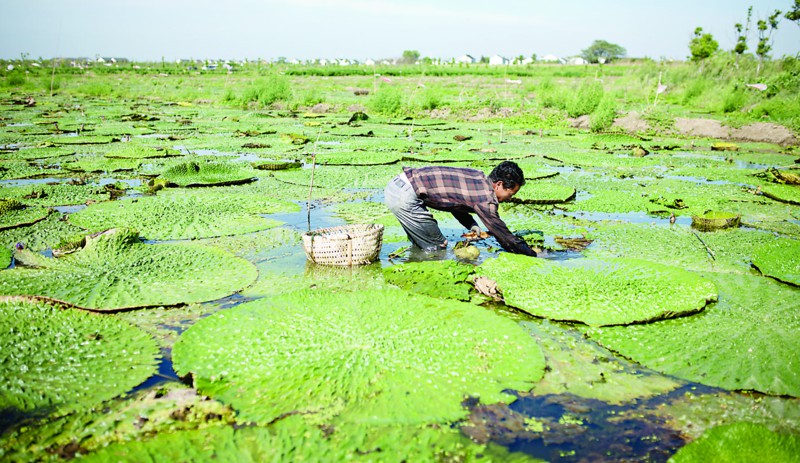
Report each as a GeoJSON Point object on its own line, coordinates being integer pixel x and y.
{"type": "Point", "coordinates": [268, 91]}
{"type": "Point", "coordinates": [388, 101]}
{"type": "Point", "coordinates": [586, 99]}
{"type": "Point", "coordinates": [431, 99]}
{"type": "Point", "coordinates": [734, 100]}
{"type": "Point", "coordinates": [603, 116]}
{"type": "Point", "coordinates": [15, 79]}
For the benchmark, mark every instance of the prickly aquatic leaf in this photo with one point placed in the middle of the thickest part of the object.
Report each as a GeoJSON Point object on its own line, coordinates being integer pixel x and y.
{"type": "Point", "coordinates": [168, 408]}
{"type": "Point", "coordinates": [61, 194]}
{"type": "Point", "coordinates": [783, 193]}
{"type": "Point", "coordinates": [382, 356]}
{"type": "Point", "coordinates": [780, 260]}
{"type": "Point", "coordinates": [678, 245]}
{"type": "Point", "coordinates": [437, 278]}
{"type": "Point", "coordinates": [748, 340]}
{"type": "Point", "coordinates": [320, 277]}
{"type": "Point", "coordinates": [184, 214]}
{"type": "Point", "coordinates": [23, 169]}
{"type": "Point", "coordinates": [59, 360]}
{"type": "Point", "coordinates": [357, 158]}
{"type": "Point", "coordinates": [544, 192]}
{"type": "Point", "coordinates": [289, 440]}
{"type": "Point", "coordinates": [22, 216]}
{"type": "Point", "coordinates": [199, 173]}
{"type": "Point", "coordinates": [741, 443]}
{"type": "Point", "coordinates": [5, 257]}
{"type": "Point", "coordinates": [101, 164]}
{"type": "Point", "coordinates": [597, 293]}
{"type": "Point", "coordinates": [587, 370]}
{"type": "Point", "coordinates": [37, 153]}
{"type": "Point", "coordinates": [114, 271]}
{"type": "Point", "coordinates": [41, 235]}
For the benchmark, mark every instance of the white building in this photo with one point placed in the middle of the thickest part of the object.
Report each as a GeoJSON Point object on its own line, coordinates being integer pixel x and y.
{"type": "Point", "coordinates": [551, 59]}
{"type": "Point", "coordinates": [576, 60]}
{"type": "Point", "coordinates": [498, 60]}
{"type": "Point", "coordinates": [465, 59]}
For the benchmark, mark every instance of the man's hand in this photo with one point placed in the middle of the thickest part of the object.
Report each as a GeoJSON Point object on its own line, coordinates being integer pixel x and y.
{"type": "Point", "coordinates": [475, 229]}
{"type": "Point", "coordinates": [475, 233]}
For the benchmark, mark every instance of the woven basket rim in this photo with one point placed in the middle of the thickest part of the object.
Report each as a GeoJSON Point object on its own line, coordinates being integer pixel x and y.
{"type": "Point", "coordinates": [354, 230]}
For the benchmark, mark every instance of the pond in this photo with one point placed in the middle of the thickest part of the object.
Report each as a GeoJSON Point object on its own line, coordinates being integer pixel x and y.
{"type": "Point", "coordinates": [633, 334]}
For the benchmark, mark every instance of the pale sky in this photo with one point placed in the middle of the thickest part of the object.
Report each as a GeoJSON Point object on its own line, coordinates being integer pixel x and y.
{"type": "Point", "coordinates": [359, 29]}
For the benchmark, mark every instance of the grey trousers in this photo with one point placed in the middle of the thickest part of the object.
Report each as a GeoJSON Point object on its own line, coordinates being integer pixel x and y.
{"type": "Point", "coordinates": [417, 221]}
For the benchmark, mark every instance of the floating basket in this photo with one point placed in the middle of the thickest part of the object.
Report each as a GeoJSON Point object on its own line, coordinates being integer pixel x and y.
{"type": "Point", "coordinates": [344, 246]}
{"type": "Point", "coordinates": [711, 221]}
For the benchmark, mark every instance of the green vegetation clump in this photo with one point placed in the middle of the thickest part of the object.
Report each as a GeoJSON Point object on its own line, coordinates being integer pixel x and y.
{"type": "Point", "coordinates": [114, 271]}
{"type": "Point", "coordinates": [59, 360]}
{"type": "Point", "coordinates": [266, 91]}
{"type": "Point", "coordinates": [741, 443]}
{"type": "Point", "coordinates": [372, 356]}
{"type": "Point", "coordinates": [388, 102]}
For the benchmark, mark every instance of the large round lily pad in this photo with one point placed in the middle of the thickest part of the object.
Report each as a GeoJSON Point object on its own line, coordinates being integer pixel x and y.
{"type": "Point", "coordinates": [748, 340]}
{"type": "Point", "coordinates": [780, 260]}
{"type": "Point", "coordinates": [195, 173]}
{"type": "Point", "coordinates": [59, 360]}
{"type": "Point", "coordinates": [185, 215]}
{"type": "Point", "coordinates": [741, 443]}
{"type": "Point", "coordinates": [14, 214]}
{"type": "Point", "coordinates": [438, 278]}
{"type": "Point", "coordinates": [598, 293]}
{"type": "Point", "coordinates": [115, 270]}
{"type": "Point", "coordinates": [382, 356]}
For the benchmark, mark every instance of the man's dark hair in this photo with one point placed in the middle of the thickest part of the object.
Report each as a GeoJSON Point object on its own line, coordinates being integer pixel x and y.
{"type": "Point", "coordinates": [509, 174]}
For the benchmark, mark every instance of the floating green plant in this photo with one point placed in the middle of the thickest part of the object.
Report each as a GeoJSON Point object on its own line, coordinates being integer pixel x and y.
{"type": "Point", "coordinates": [37, 153]}
{"type": "Point", "coordinates": [438, 278]}
{"type": "Point", "coordinates": [544, 192]}
{"type": "Point", "coordinates": [168, 408]}
{"type": "Point", "coordinates": [748, 340]}
{"type": "Point", "coordinates": [62, 194]}
{"type": "Point", "coordinates": [102, 164]}
{"type": "Point", "coordinates": [194, 173]}
{"type": "Point", "coordinates": [41, 235]}
{"type": "Point", "coordinates": [598, 293]}
{"type": "Point", "coordinates": [587, 370]}
{"type": "Point", "coordinates": [5, 257]}
{"type": "Point", "coordinates": [382, 356]}
{"type": "Point", "coordinates": [779, 259]}
{"type": "Point", "coordinates": [14, 214]}
{"type": "Point", "coordinates": [741, 443]}
{"type": "Point", "coordinates": [114, 270]}
{"type": "Point", "coordinates": [59, 360]}
{"type": "Point", "coordinates": [175, 214]}
{"type": "Point", "coordinates": [716, 220]}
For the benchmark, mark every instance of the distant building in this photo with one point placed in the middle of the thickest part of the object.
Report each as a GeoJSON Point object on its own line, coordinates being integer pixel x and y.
{"type": "Point", "coordinates": [527, 60]}
{"type": "Point", "coordinates": [551, 59]}
{"type": "Point", "coordinates": [576, 60]}
{"type": "Point", "coordinates": [465, 59]}
{"type": "Point", "coordinates": [498, 60]}
{"type": "Point", "coordinates": [369, 62]}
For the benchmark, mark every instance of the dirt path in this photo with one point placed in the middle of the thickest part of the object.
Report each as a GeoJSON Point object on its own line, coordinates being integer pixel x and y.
{"type": "Point", "coordinates": [711, 128]}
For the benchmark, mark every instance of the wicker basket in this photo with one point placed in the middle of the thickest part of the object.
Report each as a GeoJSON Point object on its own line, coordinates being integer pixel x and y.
{"type": "Point", "coordinates": [344, 246]}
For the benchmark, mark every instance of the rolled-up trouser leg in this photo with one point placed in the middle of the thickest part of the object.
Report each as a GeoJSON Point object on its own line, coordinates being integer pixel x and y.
{"type": "Point", "coordinates": [417, 221]}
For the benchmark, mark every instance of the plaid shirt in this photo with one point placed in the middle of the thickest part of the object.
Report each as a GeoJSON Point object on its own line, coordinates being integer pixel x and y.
{"type": "Point", "coordinates": [463, 191]}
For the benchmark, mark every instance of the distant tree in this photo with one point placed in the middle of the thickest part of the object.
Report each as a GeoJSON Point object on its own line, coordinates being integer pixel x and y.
{"type": "Point", "coordinates": [519, 59]}
{"type": "Point", "coordinates": [533, 57]}
{"type": "Point", "coordinates": [602, 49]}
{"type": "Point", "coordinates": [743, 32]}
{"type": "Point", "coordinates": [765, 30]}
{"type": "Point", "coordinates": [484, 60]}
{"type": "Point", "coordinates": [794, 13]}
{"type": "Point", "coordinates": [702, 45]}
{"type": "Point", "coordinates": [409, 57]}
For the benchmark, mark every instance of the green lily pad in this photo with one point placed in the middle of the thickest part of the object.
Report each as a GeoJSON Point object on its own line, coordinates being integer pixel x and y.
{"type": "Point", "coordinates": [5, 257]}
{"type": "Point", "coordinates": [42, 235]}
{"type": "Point", "coordinates": [194, 173]}
{"type": "Point", "coordinates": [176, 214]}
{"type": "Point", "coordinates": [102, 164]}
{"type": "Point", "coordinates": [29, 154]}
{"type": "Point", "coordinates": [741, 443]}
{"type": "Point", "coordinates": [443, 278]}
{"type": "Point", "coordinates": [14, 214]}
{"type": "Point", "coordinates": [780, 260]}
{"type": "Point", "coordinates": [62, 194]}
{"type": "Point", "coordinates": [139, 151]}
{"type": "Point", "coordinates": [114, 270]}
{"type": "Point", "coordinates": [170, 407]}
{"type": "Point", "coordinates": [597, 293]}
{"type": "Point", "coordinates": [783, 193]}
{"type": "Point", "coordinates": [285, 442]}
{"type": "Point", "coordinates": [382, 356]}
{"type": "Point", "coordinates": [748, 340]}
{"type": "Point", "coordinates": [544, 192]}
{"type": "Point", "coordinates": [358, 158]}
{"type": "Point", "coordinates": [59, 360]}
{"type": "Point", "coordinates": [587, 370]}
